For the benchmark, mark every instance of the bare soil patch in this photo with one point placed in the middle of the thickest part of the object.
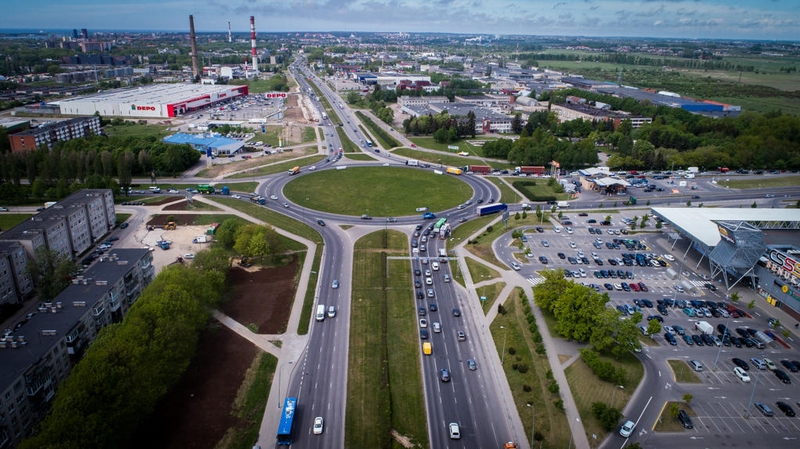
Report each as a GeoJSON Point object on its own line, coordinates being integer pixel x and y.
{"type": "Point", "coordinates": [181, 219]}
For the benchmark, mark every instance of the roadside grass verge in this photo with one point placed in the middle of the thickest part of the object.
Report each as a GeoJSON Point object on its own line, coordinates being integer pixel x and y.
{"type": "Point", "coordinates": [377, 191]}
{"type": "Point", "coordinates": [587, 389]}
{"type": "Point", "coordinates": [433, 157]}
{"type": "Point", "coordinates": [251, 401]}
{"type": "Point", "coordinates": [521, 349]}
{"type": "Point", "coordinates": [481, 246]}
{"type": "Point", "coordinates": [537, 189]}
{"type": "Point", "coordinates": [492, 294]}
{"type": "Point", "coordinates": [121, 218]}
{"type": "Point", "coordinates": [384, 387]}
{"type": "Point", "coordinates": [480, 272]}
{"type": "Point", "coordinates": [763, 181]}
{"type": "Point", "coordinates": [247, 165]}
{"type": "Point", "coordinates": [668, 423]}
{"type": "Point", "coordinates": [463, 144]}
{"type": "Point", "coordinates": [9, 220]}
{"type": "Point", "coordinates": [279, 167]}
{"type": "Point", "coordinates": [682, 372]}
{"type": "Point", "coordinates": [360, 157]}
{"type": "Point", "coordinates": [507, 195]}
{"type": "Point", "coordinates": [273, 218]}
{"type": "Point", "coordinates": [386, 140]}
{"type": "Point", "coordinates": [348, 146]}
{"type": "Point", "coordinates": [311, 292]}
{"type": "Point", "coordinates": [466, 229]}
{"type": "Point", "coordinates": [309, 134]}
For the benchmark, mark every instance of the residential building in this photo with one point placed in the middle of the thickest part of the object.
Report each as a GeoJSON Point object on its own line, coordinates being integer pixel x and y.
{"type": "Point", "coordinates": [44, 347]}
{"type": "Point", "coordinates": [49, 134]}
{"type": "Point", "coordinates": [15, 283]}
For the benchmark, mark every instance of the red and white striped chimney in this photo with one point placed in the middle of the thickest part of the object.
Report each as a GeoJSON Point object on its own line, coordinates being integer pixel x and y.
{"type": "Point", "coordinates": [253, 42]}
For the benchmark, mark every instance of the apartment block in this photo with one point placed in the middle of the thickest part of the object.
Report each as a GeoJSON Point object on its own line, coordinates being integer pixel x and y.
{"type": "Point", "coordinates": [42, 349]}
{"type": "Point", "coordinates": [15, 283]}
{"type": "Point", "coordinates": [49, 134]}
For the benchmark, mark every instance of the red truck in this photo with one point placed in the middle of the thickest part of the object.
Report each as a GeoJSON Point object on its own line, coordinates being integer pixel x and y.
{"type": "Point", "coordinates": [480, 169]}
{"type": "Point", "coordinates": [531, 170]}
{"type": "Point", "coordinates": [723, 169]}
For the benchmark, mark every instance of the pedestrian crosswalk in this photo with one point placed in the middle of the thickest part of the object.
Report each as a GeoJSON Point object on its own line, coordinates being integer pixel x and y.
{"type": "Point", "coordinates": [535, 280]}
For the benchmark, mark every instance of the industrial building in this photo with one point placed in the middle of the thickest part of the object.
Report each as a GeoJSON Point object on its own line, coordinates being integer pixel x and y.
{"type": "Point", "coordinates": [207, 143]}
{"type": "Point", "coordinates": [755, 248]}
{"type": "Point", "coordinates": [40, 352]}
{"type": "Point", "coordinates": [50, 133]}
{"type": "Point", "coordinates": [153, 101]}
{"type": "Point", "coordinates": [486, 120]}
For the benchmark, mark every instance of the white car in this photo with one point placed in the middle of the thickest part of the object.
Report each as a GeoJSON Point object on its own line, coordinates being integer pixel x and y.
{"type": "Point", "coordinates": [236, 197]}
{"type": "Point", "coordinates": [188, 256]}
{"type": "Point", "coordinates": [669, 257]}
{"type": "Point", "coordinates": [455, 432]}
{"type": "Point", "coordinates": [318, 425]}
{"type": "Point", "coordinates": [741, 374]}
{"type": "Point", "coordinates": [572, 245]}
{"type": "Point", "coordinates": [627, 429]}
{"type": "Point", "coordinates": [516, 266]}
{"type": "Point", "coordinates": [273, 197]}
{"type": "Point", "coordinates": [428, 281]}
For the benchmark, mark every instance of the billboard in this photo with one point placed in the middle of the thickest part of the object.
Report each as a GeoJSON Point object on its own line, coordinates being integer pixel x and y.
{"type": "Point", "coordinates": [275, 95]}
{"type": "Point", "coordinates": [726, 233]}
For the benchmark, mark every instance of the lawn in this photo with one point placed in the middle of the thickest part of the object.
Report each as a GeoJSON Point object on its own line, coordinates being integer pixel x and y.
{"type": "Point", "coordinates": [309, 134]}
{"type": "Point", "coordinates": [761, 182]}
{"type": "Point", "coordinates": [587, 389]}
{"type": "Point", "coordinates": [383, 333]}
{"type": "Point", "coordinates": [273, 218]}
{"type": "Point", "coordinates": [431, 144]}
{"type": "Point", "coordinates": [480, 272]}
{"type": "Point", "coordinates": [277, 168]}
{"type": "Point", "coordinates": [550, 421]}
{"type": "Point", "coordinates": [682, 372]}
{"type": "Point", "coordinates": [668, 423]}
{"type": "Point", "coordinates": [438, 158]}
{"type": "Point", "coordinates": [482, 245]}
{"type": "Point", "coordinates": [360, 157]}
{"type": "Point", "coordinates": [377, 191]}
{"type": "Point", "coordinates": [137, 130]}
{"type": "Point", "coordinates": [311, 291]}
{"type": "Point", "coordinates": [383, 137]}
{"type": "Point", "coordinates": [507, 194]}
{"type": "Point", "coordinates": [348, 146]}
{"type": "Point", "coordinates": [252, 401]}
{"type": "Point", "coordinates": [247, 164]}
{"type": "Point", "coordinates": [492, 293]}
{"type": "Point", "coordinates": [276, 134]}
{"type": "Point", "coordinates": [9, 220]}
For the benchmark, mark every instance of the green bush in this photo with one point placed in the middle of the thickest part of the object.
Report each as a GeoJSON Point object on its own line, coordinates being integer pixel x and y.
{"type": "Point", "coordinates": [608, 416]}
{"type": "Point", "coordinates": [604, 370]}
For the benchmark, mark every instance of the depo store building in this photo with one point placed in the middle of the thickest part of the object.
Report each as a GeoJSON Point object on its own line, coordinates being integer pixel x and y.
{"type": "Point", "coordinates": [757, 248]}
{"type": "Point", "coordinates": [155, 101]}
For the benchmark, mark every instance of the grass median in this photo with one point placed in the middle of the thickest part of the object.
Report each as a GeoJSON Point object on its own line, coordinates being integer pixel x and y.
{"type": "Point", "coordinates": [279, 167]}
{"type": "Point", "coordinates": [384, 385]}
{"type": "Point", "coordinates": [682, 372]}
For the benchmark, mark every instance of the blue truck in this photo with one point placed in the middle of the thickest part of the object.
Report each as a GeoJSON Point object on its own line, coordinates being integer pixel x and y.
{"type": "Point", "coordinates": [491, 209]}
{"type": "Point", "coordinates": [428, 215]}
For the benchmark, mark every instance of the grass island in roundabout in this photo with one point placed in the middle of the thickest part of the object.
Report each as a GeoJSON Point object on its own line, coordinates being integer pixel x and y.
{"type": "Point", "coordinates": [377, 191]}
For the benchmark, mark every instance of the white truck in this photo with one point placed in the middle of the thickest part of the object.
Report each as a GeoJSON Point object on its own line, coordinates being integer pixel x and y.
{"type": "Point", "coordinates": [412, 162]}
{"type": "Point", "coordinates": [704, 327]}
{"type": "Point", "coordinates": [201, 239]}
{"type": "Point", "coordinates": [562, 204]}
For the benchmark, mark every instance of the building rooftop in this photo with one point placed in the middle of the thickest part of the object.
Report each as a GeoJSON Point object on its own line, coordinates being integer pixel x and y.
{"type": "Point", "coordinates": [154, 94]}
{"type": "Point", "coordinates": [200, 140]}
{"type": "Point", "coordinates": [51, 126]}
{"type": "Point", "coordinates": [699, 222]}
{"type": "Point", "coordinates": [50, 325]}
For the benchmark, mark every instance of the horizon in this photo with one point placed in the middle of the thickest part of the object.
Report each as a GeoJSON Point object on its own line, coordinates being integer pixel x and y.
{"type": "Point", "coordinates": [776, 20]}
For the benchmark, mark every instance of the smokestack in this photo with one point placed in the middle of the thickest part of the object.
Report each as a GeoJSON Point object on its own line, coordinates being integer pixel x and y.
{"type": "Point", "coordinates": [193, 37]}
{"type": "Point", "coordinates": [253, 43]}
{"type": "Point", "coordinates": [229, 32]}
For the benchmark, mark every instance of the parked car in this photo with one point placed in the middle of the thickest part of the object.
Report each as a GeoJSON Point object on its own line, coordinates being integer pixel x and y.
{"type": "Point", "coordinates": [785, 408]}
{"type": "Point", "coordinates": [684, 418]}
{"type": "Point", "coordinates": [741, 374]}
{"type": "Point", "coordinates": [764, 409]}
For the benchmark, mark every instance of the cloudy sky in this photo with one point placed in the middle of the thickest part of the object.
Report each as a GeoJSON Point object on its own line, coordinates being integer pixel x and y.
{"type": "Point", "coordinates": [729, 19]}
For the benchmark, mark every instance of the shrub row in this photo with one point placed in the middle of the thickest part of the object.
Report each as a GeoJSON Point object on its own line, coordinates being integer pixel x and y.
{"type": "Point", "coordinates": [604, 370]}
{"type": "Point", "coordinates": [387, 141]}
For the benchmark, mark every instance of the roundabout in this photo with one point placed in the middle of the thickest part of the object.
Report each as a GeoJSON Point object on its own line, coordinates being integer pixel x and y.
{"type": "Point", "coordinates": [377, 190]}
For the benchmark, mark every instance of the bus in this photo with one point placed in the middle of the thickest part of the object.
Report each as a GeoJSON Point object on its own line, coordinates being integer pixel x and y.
{"type": "Point", "coordinates": [438, 225]}
{"type": "Point", "coordinates": [287, 420]}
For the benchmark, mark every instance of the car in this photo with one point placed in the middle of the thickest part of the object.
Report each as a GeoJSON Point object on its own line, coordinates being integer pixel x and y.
{"type": "Point", "coordinates": [539, 229]}
{"type": "Point", "coordinates": [764, 409]}
{"type": "Point", "coordinates": [471, 365]}
{"type": "Point", "coordinates": [562, 256]}
{"type": "Point", "coordinates": [684, 418]}
{"type": "Point", "coordinates": [429, 281]}
{"type": "Point", "coordinates": [785, 408]}
{"type": "Point", "coordinates": [318, 425]}
{"type": "Point", "coordinates": [516, 266]}
{"type": "Point", "coordinates": [572, 245]}
{"type": "Point", "coordinates": [608, 286]}
{"type": "Point", "coordinates": [456, 312]}
{"type": "Point", "coordinates": [545, 244]}
{"type": "Point", "coordinates": [688, 340]}
{"type": "Point", "coordinates": [188, 256]}
{"type": "Point", "coordinates": [273, 197]}
{"type": "Point", "coordinates": [781, 374]}
{"type": "Point", "coordinates": [444, 375]}
{"type": "Point", "coordinates": [789, 365]}
{"type": "Point", "coordinates": [417, 272]}
{"type": "Point", "coordinates": [366, 217]}
{"type": "Point", "coordinates": [423, 334]}
{"type": "Point", "coordinates": [670, 339]}
{"type": "Point", "coordinates": [740, 363]}
{"type": "Point", "coordinates": [741, 374]}
{"type": "Point", "coordinates": [286, 205]}
{"type": "Point", "coordinates": [335, 283]}
{"type": "Point", "coordinates": [433, 307]}
{"type": "Point", "coordinates": [759, 364]}
{"type": "Point", "coordinates": [770, 364]}
{"type": "Point", "coordinates": [417, 283]}
{"type": "Point", "coordinates": [697, 340]}
{"type": "Point", "coordinates": [423, 323]}
{"type": "Point", "coordinates": [461, 336]}
{"type": "Point", "coordinates": [123, 225]}
{"type": "Point", "coordinates": [391, 220]}
{"type": "Point", "coordinates": [455, 432]}
{"type": "Point", "coordinates": [627, 429]}
{"type": "Point", "coordinates": [678, 330]}
{"type": "Point", "coordinates": [543, 260]}
{"type": "Point", "coordinates": [430, 293]}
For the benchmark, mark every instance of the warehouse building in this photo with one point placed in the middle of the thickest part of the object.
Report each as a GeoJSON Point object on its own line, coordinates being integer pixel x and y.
{"type": "Point", "coordinates": [207, 143]}
{"type": "Point", "coordinates": [154, 101]}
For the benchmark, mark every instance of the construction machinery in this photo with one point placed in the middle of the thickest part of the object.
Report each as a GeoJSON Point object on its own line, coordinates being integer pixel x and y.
{"type": "Point", "coordinates": [170, 226]}
{"type": "Point", "coordinates": [245, 262]}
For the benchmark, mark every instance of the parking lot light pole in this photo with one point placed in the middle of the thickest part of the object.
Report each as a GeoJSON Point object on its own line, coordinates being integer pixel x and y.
{"type": "Point", "coordinates": [533, 421]}
{"type": "Point", "coordinates": [719, 350]}
{"type": "Point", "coordinates": [755, 382]}
{"type": "Point", "coordinates": [503, 356]}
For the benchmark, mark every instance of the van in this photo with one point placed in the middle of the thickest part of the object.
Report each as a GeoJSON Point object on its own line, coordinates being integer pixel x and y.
{"type": "Point", "coordinates": [427, 348]}
{"type": "Point", "coordinates": [321, 312]}
{"type": "Point", "coordinates": [697, 366]}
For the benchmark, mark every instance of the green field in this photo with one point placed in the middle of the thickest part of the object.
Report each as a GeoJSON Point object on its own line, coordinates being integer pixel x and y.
{"type": "Point", "coordinates": [273, 218]}
{"type": "Point", "coordinates": [507, 194]}
{"type": "Point", "coordinates": [9, 219]}
{"type": "Point", "coordinates": [360, 157]}
{"type": "Point", "coordinates": [480, 272]}
{"type": "Point", "coordinates": [377, 191]}
{"type": "Point", "coordinates": [761, 182]}
{"type": "Point", "coordinates": [384, 385]}
{"type": "Point", "coordinates": [277, 168]}
{"type": "Point", "coordinates": [682, 372]}
{"type": "Point", "coordinates": [137, 130]}
{"type": "Point", "coordinates": [446, 159]}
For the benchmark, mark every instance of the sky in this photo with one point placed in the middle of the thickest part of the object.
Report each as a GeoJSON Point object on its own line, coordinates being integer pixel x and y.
{"type": "Point", "coordinates": [717, 19]}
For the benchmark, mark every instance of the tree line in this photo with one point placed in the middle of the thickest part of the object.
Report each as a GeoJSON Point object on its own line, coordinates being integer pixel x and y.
{"type": "Point", "coordinates": [444, 127]}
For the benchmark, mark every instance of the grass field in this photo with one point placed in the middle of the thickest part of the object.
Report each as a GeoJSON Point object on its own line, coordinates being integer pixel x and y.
{"type": "Point", "coordinates": [762, 182]}
{"type": "Point", "coordinates": [682, 372]}
{"type": "Point", "coordinates": [309, 134]}
{"type": "Point", "coordinates": [386, 140]}
{"type": "Point", "coordinates": [482, 246]}
{"type": "Point", "coordinates": [273, 218]}
{"type": "Point", "coordinates": [247, 164]}
{"type": "Point", "coordinates": [550, 421]}
{"type": "Point", "coordinates": [251, 401]}
{"type": "Point", "coordinates": [507, 194]}
{"type": "Point", "coordinates": [445, 158]}
{"type": "Point", "coordinates": [377, 191]}
{"type": "Point", "coordinates": [587, 389]}
{"type": "Point", "coordinates": [137, 130]}
{"type": "Point", "coordinates": [480, 272]}
{"type": "Point", "coordinates": [9, 219]}
{"type": "Point", "coordinates": [492, 293]}
{"type": "Point", "coordinates": [383, 333]}
{"type": "Point", "coordinates": [277, 168]}
{"type": "Point", "coordinates": [348, 146]}
{"type": "Point", "coordinates": [466, 229]}
{"type": "Point", "coordinates": [668, 423]}
{"type": "Point", "coordinates": [360, 157]}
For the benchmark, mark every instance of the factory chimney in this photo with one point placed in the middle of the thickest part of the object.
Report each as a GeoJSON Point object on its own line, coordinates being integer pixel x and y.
{"type": "Point", "coordinates": [193, 37]}
{"type": "Point", "coordinates": [229, 32]}
{"type": "Point", "coordinates": [253, 43]}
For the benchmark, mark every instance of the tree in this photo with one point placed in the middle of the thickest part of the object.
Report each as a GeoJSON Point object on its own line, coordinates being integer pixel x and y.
{"type": "Point", "coordinates": [50, 271]}
{"type": "Point", "coordinates": [125, 169]}
{"type": "Point", "coordinates": [735, 297]}
{"type": "Point", "coordinates": [687, 398]}
{"type": "Point", "coordinates": [653, 327]}
{"type": "Point", "coordinates": [516, 123]}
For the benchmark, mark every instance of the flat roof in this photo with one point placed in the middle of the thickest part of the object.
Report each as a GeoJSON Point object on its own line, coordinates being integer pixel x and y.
{"type": "Point", "coordinates": [154, 94]}
{"type": "Point", "coordinates": [699, 222]}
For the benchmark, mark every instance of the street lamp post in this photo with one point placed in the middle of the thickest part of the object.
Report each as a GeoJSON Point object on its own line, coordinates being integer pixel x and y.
{"type": "Point", "coordinates": [612, 394]}
{"type": "Point", "coordinates": [503, 356]}
{"type": "Point", "coordinates": [719, 350]}
{"type": "Point", "coordinates": [533, 420]}
{"type": "Point", "coordinates": [755, 382]}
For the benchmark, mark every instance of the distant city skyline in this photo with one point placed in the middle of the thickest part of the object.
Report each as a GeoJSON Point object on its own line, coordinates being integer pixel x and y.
{"type": "Point", "coordinates": [687, 19]}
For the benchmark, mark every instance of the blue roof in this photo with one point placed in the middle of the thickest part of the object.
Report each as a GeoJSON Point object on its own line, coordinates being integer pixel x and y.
{"type": "Point", "coordinates": [200, 140]}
